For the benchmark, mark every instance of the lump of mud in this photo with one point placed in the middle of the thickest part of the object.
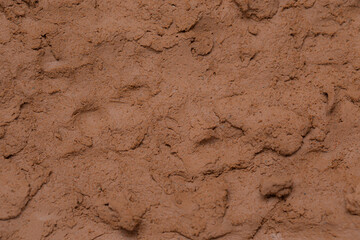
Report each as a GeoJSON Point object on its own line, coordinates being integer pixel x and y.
{"type": "Point", "coordinates": [258, 9]}
{"type": "Point", "coordinates": [202, 45]}
{"type": "Point", "coordinates": [276, 186]}
{"type": "Point", "coordinates": [353, 202]}
{"type": "Point", "coordinates": [274, 128]}
{"type": "Point", "coordinates": [121, 213]}
{"type": "Point", "coordinates": [14, 191]}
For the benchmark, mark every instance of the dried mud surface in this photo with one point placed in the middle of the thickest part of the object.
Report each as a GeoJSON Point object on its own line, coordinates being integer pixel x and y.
{"type": "Point", "coordinates": [164, 119]}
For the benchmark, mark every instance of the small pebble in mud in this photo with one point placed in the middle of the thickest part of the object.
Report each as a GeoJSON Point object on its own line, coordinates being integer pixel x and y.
{"type": "Point", "coordinates": [276, 186]}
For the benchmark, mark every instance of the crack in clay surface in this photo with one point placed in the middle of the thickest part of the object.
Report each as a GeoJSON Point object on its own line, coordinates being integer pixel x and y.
{"type": "Point", "coordinates": [194, 119]}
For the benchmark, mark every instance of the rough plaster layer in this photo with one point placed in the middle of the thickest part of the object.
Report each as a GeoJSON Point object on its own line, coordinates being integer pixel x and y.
{"type": "Point", "coordinates": [148, 119]}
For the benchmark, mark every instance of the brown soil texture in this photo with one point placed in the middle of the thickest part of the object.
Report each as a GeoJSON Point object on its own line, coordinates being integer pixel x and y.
{"type": "Point", "coordinates": [187, 119]}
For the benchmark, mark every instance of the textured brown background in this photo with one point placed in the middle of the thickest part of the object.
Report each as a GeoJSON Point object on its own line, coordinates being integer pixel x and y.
{"type": "Point", "coordinates": [169, 119]}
